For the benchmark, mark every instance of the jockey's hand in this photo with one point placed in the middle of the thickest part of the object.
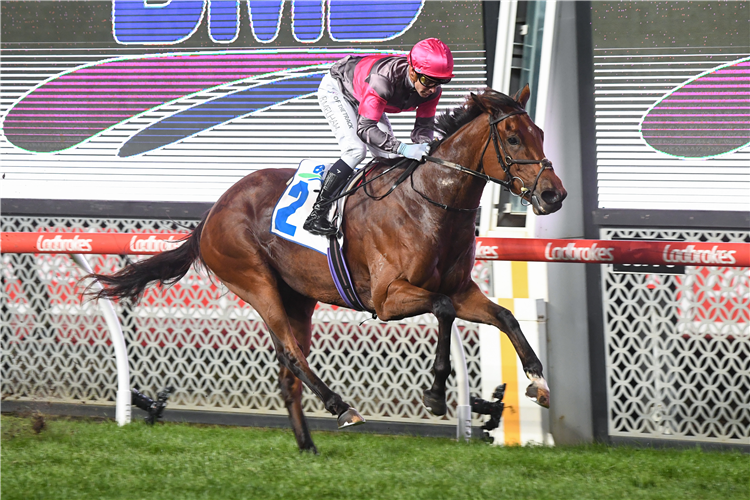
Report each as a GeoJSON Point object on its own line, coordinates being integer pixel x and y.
{"type": "Point", "coordinates": [414, 151]}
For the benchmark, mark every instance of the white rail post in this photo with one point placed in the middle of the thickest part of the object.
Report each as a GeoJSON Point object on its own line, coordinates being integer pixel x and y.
{"type": "Point", "coordinates": [122, 404]}
{"type": "Point", "coordinates": [463, 409]}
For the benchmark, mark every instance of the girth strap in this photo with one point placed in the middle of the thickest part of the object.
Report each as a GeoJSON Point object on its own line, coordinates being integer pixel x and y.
{"type": "Point", "coordinates": [341, 277]}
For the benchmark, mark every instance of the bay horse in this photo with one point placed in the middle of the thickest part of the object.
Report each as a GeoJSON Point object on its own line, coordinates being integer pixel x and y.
{"type": "Point", "coordinates": [409, 253]}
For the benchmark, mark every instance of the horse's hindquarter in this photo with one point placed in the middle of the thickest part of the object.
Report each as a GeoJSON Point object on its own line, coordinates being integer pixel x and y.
{"type": "Point", "coordinates": [238, 247]}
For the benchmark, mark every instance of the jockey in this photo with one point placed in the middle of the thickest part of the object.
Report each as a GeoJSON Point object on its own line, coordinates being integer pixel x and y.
{"type": "Point", "coordinates": [355, 96]}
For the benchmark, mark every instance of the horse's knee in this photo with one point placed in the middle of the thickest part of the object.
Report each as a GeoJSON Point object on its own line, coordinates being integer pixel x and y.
{"type": "Point", "coordinates": [506, 318]}
{"type": "Point", "coordinates": [441, 367]}
{"type": "Point", "coordinates": [442, 308]}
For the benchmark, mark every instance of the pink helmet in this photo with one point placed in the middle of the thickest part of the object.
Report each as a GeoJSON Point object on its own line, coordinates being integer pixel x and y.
{"type": "Point", "coordinates": [433, 58]}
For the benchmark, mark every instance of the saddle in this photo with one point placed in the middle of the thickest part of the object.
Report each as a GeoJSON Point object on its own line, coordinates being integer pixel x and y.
{"type": "Point", "coordinates": [293, 207]}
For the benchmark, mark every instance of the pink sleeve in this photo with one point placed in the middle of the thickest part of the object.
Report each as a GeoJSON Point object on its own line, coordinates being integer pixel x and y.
{"type": "Point", "coordinates": [369, 113]}
{"type": "Point", "coordinates": [372, 106]}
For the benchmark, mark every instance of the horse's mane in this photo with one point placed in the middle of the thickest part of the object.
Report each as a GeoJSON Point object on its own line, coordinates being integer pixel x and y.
{"type": "Point", "coordinates": [447, 123]}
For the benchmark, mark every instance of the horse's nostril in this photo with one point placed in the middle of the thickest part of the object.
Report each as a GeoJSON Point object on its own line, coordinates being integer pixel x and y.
{"type": "Point", "coordinates": [552, 197]}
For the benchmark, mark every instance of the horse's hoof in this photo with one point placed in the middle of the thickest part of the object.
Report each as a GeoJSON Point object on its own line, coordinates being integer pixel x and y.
{"type": "Point", "coordinates": [433, 404]}
{"type": "Point", "coordinates": [538, 394]}
{"type": "Point", "coordinates": [350, 418]}
{"type": "Point", "coordinates": [309, 449]}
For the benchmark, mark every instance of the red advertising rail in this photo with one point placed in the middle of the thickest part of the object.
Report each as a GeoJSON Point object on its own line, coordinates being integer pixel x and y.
{"type": "Point", "coordinates": [103, 243]}
{"type": "Point", "coordinates": [520, 249]}
{"type": "Point", "coordinates": [690, 253]}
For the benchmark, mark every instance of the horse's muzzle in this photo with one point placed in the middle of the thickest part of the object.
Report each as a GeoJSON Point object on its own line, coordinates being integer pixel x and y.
{"type": "Point", "coordinates": [548, 201]}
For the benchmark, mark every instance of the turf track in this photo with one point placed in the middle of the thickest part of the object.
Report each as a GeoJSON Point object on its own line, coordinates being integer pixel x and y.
{"type": "Point", "coordinates": [76, 459]}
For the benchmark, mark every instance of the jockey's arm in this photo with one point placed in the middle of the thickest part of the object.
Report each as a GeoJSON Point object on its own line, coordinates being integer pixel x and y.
{"type": "Point", "coordinates": [369, 113]}
{"type": "Point", "coordinates": [371, 109]}
{"type": "Point", "coordinates": [424, 130]}
{"type": "Point", "coordinates": [424, 125]}
{"type": "Point", "coordinates": [368, 131]}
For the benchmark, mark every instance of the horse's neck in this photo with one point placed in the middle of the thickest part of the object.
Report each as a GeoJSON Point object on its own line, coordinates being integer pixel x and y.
{"type": "Point", "coordinates": [466, 145]}
{"type": "Point", "coordinates": [449, 186]}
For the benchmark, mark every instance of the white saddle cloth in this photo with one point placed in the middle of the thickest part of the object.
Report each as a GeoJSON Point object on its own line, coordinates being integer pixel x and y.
{"type": "Point", "coordinates": [296, 204]}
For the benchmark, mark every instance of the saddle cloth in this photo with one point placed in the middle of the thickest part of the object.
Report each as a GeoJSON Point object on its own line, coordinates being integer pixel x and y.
{"type": "Point", "coordinates": [293, 208]}
{"type": "Point", "coordinates": [296, 204]}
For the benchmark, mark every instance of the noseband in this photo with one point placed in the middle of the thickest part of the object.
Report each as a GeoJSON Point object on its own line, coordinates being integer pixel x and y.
{"type": "Point", "coordinates": [503, 158]}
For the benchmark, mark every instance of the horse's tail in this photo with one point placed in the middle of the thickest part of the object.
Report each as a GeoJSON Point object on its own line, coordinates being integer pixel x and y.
{"type": "Point", "coordinates": [166, 268]}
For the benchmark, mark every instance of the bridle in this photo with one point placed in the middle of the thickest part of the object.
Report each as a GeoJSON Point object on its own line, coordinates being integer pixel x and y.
{"type": "Point", "coordinates": [504, 159]}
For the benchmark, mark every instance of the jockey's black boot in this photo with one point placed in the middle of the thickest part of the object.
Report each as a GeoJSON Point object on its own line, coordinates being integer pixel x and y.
{"type": "Point", "coordinates": [317, 222]}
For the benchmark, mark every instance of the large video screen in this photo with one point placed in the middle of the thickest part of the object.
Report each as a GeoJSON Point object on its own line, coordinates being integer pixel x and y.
{"type": "Point", "coordinates": [672, 100]}
{"type": "Point", "coordinates": [175, 100]}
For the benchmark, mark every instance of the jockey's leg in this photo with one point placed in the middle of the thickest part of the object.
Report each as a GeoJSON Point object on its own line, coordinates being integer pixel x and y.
{"type": "Point", "coordinates": [342, 117]}
{"type": "Point", "coordinates": [317, 222]}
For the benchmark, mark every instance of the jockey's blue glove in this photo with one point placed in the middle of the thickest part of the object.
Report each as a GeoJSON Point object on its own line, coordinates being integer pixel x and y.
{"type": "Point", "coordinates": [414, 151]}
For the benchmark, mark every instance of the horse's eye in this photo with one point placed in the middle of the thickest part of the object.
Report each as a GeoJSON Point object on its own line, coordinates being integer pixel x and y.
{"type": "Point", "coordinates": [513, 141]}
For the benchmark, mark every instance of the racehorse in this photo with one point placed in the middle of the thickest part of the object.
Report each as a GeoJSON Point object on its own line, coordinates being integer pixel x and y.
{"type": "Point", "coordinates": [408, 253]}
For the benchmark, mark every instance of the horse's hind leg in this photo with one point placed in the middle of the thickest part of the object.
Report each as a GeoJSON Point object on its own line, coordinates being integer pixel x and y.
{"type": "Point", "coordinates": [262, 293]}
{"type": "Point", "coordinates": [291, 391]}
{"type": "Point", "coordinates": [300, 310]}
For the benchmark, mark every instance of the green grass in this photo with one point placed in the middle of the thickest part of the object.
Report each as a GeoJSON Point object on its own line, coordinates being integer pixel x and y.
{"type": "Point", "coordinates": [72, 459]}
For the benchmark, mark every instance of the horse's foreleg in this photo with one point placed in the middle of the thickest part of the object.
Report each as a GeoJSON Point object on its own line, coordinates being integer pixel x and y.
{"type": "Point", "coordinates": [474, 306]}
{"type": "Point", "coordinates": [403, 300]}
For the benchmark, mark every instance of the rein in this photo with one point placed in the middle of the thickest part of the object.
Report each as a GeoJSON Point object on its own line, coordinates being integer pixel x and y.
{"type": "Point", "coordinates": [407, 172]}
{"type": "Point", "coordinates": [505, 160]}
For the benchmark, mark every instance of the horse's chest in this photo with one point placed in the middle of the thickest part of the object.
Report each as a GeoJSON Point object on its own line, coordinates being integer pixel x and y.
{"type": "Point", "coordinates": [441, 275]}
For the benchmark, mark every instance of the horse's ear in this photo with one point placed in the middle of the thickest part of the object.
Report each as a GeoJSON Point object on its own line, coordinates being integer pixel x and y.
{"type": "Point", "coordinates": [522, 96]}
